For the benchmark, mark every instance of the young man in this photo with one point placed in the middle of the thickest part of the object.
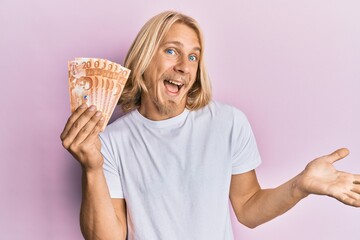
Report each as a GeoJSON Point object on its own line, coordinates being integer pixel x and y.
{"type": "Point", "coordinates": [167, 168]}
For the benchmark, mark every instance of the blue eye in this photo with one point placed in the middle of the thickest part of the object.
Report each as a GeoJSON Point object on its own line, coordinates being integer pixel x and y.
{"type": "Point", "coordinates": [192, 58]}
{"type": "Point", "coordinates": [170, 51]}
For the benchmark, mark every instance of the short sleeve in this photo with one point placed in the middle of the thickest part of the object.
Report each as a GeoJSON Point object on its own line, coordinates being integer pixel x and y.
{"type": "Point", "coordinates": [244, 151]}
{"type": "Point", "coordinates": [111, 169]}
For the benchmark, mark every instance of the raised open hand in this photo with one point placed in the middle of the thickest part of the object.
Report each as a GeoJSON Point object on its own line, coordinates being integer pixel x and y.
{"type": "Point", "coordinates": [320, 177]}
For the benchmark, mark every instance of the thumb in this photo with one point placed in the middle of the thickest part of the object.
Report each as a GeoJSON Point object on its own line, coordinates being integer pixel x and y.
{"type": "Point", "coordinates": [337, 155]}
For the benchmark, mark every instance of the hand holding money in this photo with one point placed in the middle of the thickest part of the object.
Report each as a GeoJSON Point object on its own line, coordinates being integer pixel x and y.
{"type": "Point", "coordinates": [95, 86]}
{"type": "Point", "coordinates": [97, 82]}
{"type": "Point", "coordinates": [80, 137]}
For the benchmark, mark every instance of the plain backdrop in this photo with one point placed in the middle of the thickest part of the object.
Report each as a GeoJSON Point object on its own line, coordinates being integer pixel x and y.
{"type": "Point", "coordinates": [292, 67]}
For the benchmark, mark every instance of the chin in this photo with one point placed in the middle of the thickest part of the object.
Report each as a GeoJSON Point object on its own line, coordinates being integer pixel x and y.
{"type": "Point", "coordinates": [168, 108]}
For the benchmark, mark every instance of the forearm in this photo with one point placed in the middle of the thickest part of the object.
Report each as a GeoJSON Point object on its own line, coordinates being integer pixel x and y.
{"type": "Point", "coordinates": [267, 204]}
{"type": "Point", "coordinates": [98, 218]}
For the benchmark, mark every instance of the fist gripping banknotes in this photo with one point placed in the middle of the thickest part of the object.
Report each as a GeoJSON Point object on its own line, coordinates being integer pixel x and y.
{"type": "Point", "coordinates": [98, 82]}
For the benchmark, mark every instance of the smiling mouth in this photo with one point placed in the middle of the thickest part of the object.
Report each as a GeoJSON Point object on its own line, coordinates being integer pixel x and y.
{"type": "Point", "coordinates": [173, 86]}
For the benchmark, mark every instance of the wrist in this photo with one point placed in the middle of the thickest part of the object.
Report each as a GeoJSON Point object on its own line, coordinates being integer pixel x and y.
{"type": "Point", "coordinates": [298, 190]}
{"type": "Point", "coordinates": [91, 171]}
{"type": "Point", "coordinates": [92, 166]}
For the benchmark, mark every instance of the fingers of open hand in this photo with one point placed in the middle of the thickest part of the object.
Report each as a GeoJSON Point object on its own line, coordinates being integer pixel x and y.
{"type": "Point", "coordinates": [337, 155]}
{"type": "Point", "coordinates": [350, 193]}
{"type": "Point", "coordinates": [351, 198]}
{"type": "Point", "coordinates": [356, 184]}
{"type": "Point", "coordinates": [356, 189]}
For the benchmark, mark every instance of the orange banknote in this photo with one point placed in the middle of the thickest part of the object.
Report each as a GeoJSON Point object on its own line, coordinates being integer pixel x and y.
{"type": "Point", "coordinates": [98, 82]}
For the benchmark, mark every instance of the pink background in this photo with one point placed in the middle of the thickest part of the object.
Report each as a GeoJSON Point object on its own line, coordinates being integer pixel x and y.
{"type": "Point", "coordinates": [292, 66]}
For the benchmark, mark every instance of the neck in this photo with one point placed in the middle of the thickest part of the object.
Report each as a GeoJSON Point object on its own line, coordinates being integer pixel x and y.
{"type": "Point", "coordinates": [157, 113]}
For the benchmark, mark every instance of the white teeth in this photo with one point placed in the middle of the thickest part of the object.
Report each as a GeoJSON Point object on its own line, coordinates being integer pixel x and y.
{"type": "Point", "coordinates": [175, 83]}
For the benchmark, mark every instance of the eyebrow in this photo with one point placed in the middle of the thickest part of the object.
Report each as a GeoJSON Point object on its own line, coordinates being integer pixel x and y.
{"type": "Point", "coordinates": [181, 45]}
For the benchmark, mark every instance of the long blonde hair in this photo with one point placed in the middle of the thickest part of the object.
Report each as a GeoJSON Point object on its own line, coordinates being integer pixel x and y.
{"type": "Point", "coordinates": [141, 52]}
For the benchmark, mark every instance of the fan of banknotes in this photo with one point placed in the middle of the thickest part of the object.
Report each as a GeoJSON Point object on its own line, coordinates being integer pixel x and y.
{"type": "Point", "coordinates": [98, 82]}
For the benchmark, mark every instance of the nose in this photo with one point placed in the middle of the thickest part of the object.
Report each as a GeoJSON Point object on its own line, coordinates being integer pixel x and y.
{"type": "Point", "coordinates": [182, 65]}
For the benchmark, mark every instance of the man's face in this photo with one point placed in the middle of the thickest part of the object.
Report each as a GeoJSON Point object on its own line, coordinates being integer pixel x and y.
{"type": "Point", "coordinates": [171, 73]}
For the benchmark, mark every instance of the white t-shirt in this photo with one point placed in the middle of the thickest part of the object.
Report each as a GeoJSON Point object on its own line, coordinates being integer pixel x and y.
{"type": "Point", "coordinates": [175, 174]}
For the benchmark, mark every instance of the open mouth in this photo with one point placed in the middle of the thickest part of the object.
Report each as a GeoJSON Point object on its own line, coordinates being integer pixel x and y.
{"type": "Point", "coordinates": [172, 86]}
